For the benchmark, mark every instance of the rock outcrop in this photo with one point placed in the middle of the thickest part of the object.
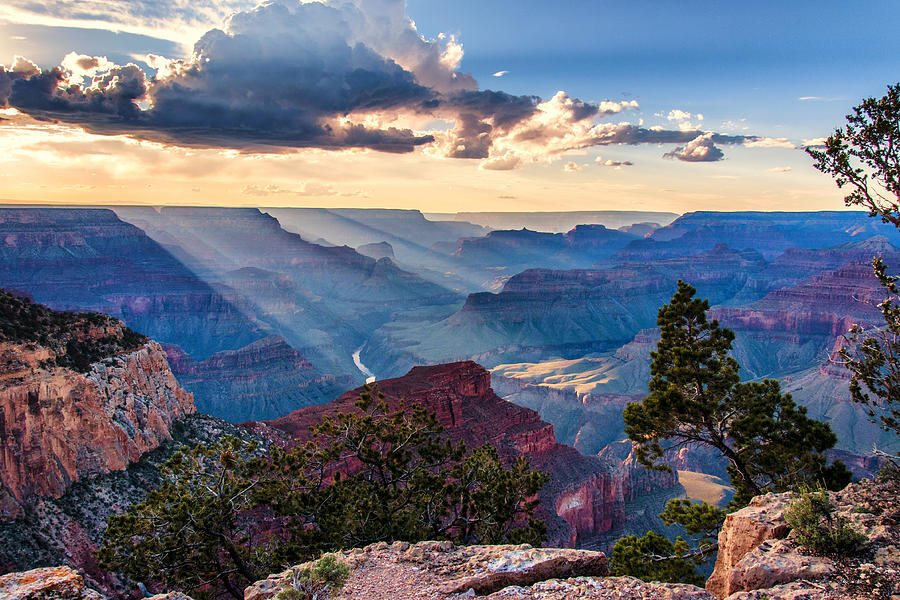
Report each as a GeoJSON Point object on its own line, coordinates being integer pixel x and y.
{"type": "Point", "coordinates": [57, 583]}
{"type": "Point", "coordinates": [58, 426]}
{"type": "Point", "coordinates": [759, 556]}
{"type": "Point", "coordinates": [48, 583]}
{"type": "Point", "coordinates": [585, 496]}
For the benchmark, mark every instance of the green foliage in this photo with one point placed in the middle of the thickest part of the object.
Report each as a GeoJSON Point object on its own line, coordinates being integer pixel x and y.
{"type": "Point", "coordinates": [370, 475]}
{"type": "Point", "coordinates": [818, 529]}
{"type": "Point", "coordinates": [701, 518]}
{"type": "Point", "coordinates": [376, 475]}
{"type": "Point", "coordinates": [190, 533]}
{"type": "Point", "coordinates": [697, 398]}
{"type": "Point", "coordinates": [654, 557]}
{"type": "Point", "coordinates": [323, 579]}
{"type": "Point", "coordinates": [77, 340]}
{"type": "Point", "coordinates": [866, 156]}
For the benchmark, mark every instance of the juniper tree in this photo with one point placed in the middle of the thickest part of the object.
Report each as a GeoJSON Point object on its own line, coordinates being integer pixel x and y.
{"type": "Point", "coordinates": [384, 475]}
{"type": "Point", "coordinates": [192, 534]}
{"type": "Point", "coordinates": [865, 156]}
{"type": "Point", "coordinates": [224, 518]}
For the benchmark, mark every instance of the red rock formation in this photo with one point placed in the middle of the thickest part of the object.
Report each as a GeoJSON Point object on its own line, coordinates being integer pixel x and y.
{"type": "Point", "coordinates": [57, 426]}
{"type": "Point", "coordinates": [585, 496]}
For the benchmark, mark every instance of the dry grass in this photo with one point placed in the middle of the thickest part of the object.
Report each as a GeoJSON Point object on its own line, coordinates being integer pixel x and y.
{"type": "Point", "coordinates": [708, 488]}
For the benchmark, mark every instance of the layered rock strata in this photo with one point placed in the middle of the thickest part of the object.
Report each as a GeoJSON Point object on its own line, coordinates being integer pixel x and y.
{"type": "Point", "coordinates": [58, 426]}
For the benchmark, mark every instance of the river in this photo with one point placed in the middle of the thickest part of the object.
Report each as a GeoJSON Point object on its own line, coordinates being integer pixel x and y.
{"type": "Point", "coordinates": [370, 376]}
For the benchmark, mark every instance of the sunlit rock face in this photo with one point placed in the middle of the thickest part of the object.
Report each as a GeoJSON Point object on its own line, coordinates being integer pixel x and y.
{"type": "Point", "coordinates": [59, 426]}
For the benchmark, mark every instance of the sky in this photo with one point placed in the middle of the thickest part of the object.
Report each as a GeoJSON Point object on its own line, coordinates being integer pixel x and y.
{"type": "Point", "coordinates": [440, 106]}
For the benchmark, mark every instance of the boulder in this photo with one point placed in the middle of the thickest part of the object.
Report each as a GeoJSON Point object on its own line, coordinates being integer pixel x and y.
{"type": "Point", "coordinates": [48, 583]}
{"type": "Point", "coordinates": [742, 532]}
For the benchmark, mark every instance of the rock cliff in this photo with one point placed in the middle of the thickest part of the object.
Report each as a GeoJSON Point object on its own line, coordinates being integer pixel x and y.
{"type": "Point", "coordinates": [89, 260]}
{"type": "Point", "coordinates": [585, 497]}
{"type": "Point", "coordinates": [760, 558]}
{"type": "Point", "coordinates": [769, 233]}
{"type": "Point", "coordinates": [58, 426]}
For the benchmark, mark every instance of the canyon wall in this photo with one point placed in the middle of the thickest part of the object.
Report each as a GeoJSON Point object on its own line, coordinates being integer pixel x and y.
{"type": "Point", "coordinates": [58, 426]}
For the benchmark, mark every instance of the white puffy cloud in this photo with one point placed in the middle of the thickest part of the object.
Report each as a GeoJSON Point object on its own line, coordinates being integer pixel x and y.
{"type": "Point", "coordinates": [82, 65]}
{"type": "Point", "coordinates": [613, 163]}
{"type": "Point", "coordinates": [572, 167]}
{"type": "Point", "coordinates": [700, 149]}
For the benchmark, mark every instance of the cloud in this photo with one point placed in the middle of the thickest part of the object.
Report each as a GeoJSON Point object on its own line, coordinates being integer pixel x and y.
{"type": "Point", "coordinates": [307, 189]}
{"type": "Point", "coordinates": [500, 73]}
{"type": "Point", "coordinates": [700, 149]}
{"type": "Point", "coordinates": [818, 143]}
{"type": "Point", "coordinates": [767, 142]}
{"type": "Point", "coordinates": [572, 167]}
{"type": "Point", "coordinates": [283, 75]}
{"type": "Point", "coordinates": [817, 99]}
{"type": "Point", "coordinates": [613, 163]}
{"type": "Point", "coordinates": [684, 119]}
{"type": "Point", "coordinates": [780, 170]}
{"type": "Point", "coordinates": [85, 66]}
{"type": "Point", "coordinates": [175, 20]}
{"type": "Point", "coordinates": [503, 162]}
{"type": "Point", "coordinates": [337, 75]}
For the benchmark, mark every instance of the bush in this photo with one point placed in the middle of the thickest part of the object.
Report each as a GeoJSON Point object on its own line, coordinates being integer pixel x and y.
{"type": "Point", "coordinates": [324, 579]}
{"type": "Point", "coordinates": [818, 529]}
{"type": "Point", "coordinates": [655, 558]}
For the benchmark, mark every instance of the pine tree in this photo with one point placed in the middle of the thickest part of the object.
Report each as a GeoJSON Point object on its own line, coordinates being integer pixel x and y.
{"type": "Point", "coordinates": [697, 399]}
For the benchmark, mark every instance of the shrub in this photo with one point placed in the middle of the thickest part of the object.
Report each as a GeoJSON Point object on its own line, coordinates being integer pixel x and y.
{"type": "Point", "coordinates": [818, 529]}
{"type": "Point", "coordinates": [323, 579]}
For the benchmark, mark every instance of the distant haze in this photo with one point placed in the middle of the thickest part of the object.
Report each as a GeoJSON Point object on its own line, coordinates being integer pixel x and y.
{"type": "Point", "coordinates": [556, 222]}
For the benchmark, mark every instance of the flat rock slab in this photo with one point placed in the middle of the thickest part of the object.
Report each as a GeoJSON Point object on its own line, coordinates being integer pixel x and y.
{"type": "Point", "coordinates": [49, 583]}
{"type": "Point", "coordinates": [527, 566]}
